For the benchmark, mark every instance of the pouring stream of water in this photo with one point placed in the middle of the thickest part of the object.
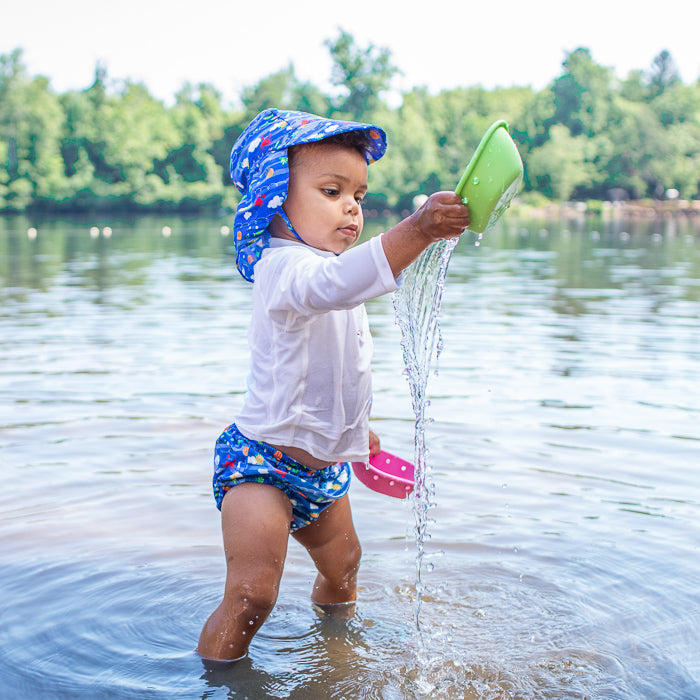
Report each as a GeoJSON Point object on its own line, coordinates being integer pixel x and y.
{"type": "Point", "coordinates": [417, 307]}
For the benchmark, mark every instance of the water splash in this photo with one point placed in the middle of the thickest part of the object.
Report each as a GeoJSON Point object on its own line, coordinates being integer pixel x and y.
{"type": "Point", "coordinates": [417, 307]}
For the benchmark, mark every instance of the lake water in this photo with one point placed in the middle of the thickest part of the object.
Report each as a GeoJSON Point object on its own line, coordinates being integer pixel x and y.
{"type": "Point", "coordinates": [561, 554]}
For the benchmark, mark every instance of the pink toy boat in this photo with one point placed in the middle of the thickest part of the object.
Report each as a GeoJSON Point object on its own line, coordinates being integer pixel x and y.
{"type": "Point", "coordinates": [387, 474]}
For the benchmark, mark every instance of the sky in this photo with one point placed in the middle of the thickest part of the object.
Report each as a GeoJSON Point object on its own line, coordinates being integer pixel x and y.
{"type": "Point", "coordinates": [439, 44]}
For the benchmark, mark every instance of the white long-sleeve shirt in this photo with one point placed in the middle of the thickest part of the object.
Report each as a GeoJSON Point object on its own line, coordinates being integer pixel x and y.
{"type": "Point", "coordinates": [309, 384]}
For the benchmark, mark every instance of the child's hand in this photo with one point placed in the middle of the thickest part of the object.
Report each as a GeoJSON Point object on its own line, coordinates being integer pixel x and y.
{"type": "Point", "coordinates": [443, 215]}
{"type": "Point", "coordinates": [374, 447]}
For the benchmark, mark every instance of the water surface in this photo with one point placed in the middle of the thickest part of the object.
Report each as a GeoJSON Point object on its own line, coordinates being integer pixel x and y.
{"type": "Point", "coordinates": [561, 556]}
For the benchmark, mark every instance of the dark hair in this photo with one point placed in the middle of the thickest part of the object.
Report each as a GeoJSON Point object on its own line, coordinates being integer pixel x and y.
{"type": "Point", "coordinates": [359, 140]}
{"type": "Point", "coordinates": [356, 140]}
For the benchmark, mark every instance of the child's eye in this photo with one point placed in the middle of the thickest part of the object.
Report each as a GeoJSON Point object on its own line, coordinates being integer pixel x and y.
{"type": "Point", "coordinates": [331, 191]}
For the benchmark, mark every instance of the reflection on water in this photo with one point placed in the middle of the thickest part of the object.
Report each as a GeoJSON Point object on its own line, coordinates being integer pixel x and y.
{"type": "Point", "coordinates": [561, 553]}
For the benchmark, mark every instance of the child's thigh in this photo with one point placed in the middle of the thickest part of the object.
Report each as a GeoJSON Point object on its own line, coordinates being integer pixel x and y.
{"type": "Point", "coordinates": [331, 540]}
{"type": "Point", "coordinates": [255, 523]}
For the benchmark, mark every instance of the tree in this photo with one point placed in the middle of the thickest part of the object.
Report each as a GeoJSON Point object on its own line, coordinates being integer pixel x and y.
{"type": "Point", "coordinates": [30, 131]}
{"type": "Point", "coordinates": [284, 91]}
{"type": "Point", "coordinates": [633, 88]}
{"type": "Point", "coordinates": [621, 151]}
{"type": "Point", "coordinates": [412, 164]}
{"type": "Point", "coordinates": [114, 145]}
{"type": "Point", "coordinates": [361, 74]}
{"type": "Point", "coordinates": [198, 121]}
{"type": "Point", "coordinates": [561, 164]}
{"type": "Point", "coordinates": [582, 95]}
{"type": "Point", "coordinates": [662, 74]}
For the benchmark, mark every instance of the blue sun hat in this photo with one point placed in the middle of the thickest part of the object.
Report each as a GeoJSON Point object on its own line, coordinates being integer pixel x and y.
{"type": "Point", "coordinates": [260, 170]}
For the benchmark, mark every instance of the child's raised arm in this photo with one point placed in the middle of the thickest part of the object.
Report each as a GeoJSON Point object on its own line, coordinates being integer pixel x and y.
{"type": "Point", "coordinates": [442, 216]}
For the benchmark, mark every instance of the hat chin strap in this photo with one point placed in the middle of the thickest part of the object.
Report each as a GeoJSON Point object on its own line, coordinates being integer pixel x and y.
{"type": "Point", "coordinates": [286, 220]}
{"type": "Point", "coordinates": [288, 223]}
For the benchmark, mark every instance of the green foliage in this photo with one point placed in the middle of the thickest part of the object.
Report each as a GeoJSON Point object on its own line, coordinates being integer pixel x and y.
{"type": "Point", "coordinates": [30, 131]}
{"type": "Point", "coordinates": [582, 95]}
{"type": "Point", "coordinates": [115, 146]}
{"type": "Point", "coordinates": [561, 164]}
{"type": "Point", "coordinates": [662, 74]}
{"type": "Point", "coordinates": [361, 74]}
{"type": "Point", "coordinates": [284, 91]}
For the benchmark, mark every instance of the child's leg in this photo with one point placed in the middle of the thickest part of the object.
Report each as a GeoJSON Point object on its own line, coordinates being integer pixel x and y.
{"type": "Point", "coordinates": [255, 523]}
{"type": "Point", "coordinates": [333, 545]}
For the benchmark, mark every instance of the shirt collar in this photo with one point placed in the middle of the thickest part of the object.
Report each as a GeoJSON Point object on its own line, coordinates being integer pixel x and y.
{"type": "Point", "coordinates": [283, 242]}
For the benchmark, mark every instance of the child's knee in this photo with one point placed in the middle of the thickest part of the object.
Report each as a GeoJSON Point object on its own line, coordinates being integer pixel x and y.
{"type": "Point", "coordinates": [354, 556]}
{"type": "Point", "coordinates": [349, 564]}
{"type": "Point", "coordinates": [255, 601]}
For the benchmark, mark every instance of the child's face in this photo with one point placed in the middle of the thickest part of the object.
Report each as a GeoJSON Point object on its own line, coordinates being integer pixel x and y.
{"type": "Point", "coordinates": [324, 203]}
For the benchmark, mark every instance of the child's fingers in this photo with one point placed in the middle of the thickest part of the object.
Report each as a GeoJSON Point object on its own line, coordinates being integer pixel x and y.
{"type": "Point", "coordinates": [455, 217]}
{"type": "Point", "coordinates": [457, 213]}
{"type": "Point", "coordinates": [374, 444]}
{"type": "Point", "coordinates": [450, 206]}
{"type": "Point", "coordinates": [444, 215]}
{"type": "Point", "coordinates": [446, 197]}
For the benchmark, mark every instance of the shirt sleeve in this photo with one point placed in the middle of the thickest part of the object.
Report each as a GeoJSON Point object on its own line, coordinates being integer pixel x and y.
{"type": "Point", "coordinates": [305, 282]}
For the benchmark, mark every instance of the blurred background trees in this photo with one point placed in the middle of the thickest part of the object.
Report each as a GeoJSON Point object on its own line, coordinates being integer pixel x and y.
{"type": "Point", "coordinates": [113, 146]}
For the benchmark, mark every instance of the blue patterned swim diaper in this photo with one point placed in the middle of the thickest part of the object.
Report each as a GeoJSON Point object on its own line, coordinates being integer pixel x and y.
{"type": "Point", "coordinates": [238, 459]}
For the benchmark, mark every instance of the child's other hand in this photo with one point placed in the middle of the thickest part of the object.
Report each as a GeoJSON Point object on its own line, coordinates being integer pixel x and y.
{"type": "Point", "coordinates": [443, 215]}
{"type": "Point", "coordinates": [374, 447]}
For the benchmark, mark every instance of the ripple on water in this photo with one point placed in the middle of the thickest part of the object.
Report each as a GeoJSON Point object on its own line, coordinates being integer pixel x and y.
{"type": "Point", "coordinates": [118, 631]}
{"type": "Point", "coordinates": [563, 454]}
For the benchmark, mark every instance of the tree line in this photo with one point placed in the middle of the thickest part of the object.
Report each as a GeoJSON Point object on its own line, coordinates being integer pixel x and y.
{"type": "Point", "coordinates": [114, 146]}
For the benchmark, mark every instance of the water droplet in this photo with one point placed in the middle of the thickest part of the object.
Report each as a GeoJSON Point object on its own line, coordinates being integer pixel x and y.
{"type": "Point", "coordinates": [475, 181]}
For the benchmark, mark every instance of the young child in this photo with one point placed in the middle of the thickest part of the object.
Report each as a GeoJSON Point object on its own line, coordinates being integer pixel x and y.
{"type": "Point", "coordinates": [283, 466]}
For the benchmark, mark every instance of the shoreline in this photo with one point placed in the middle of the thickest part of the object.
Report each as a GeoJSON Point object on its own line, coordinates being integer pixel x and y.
{"type": "Point", "coordinates": [629, 209]}
{"type": "Point", "coordinates": [634, 209]}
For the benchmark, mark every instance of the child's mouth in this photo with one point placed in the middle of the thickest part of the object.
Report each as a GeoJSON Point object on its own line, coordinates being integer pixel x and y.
{"type": "Point", "coordinates": [350, 231]}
